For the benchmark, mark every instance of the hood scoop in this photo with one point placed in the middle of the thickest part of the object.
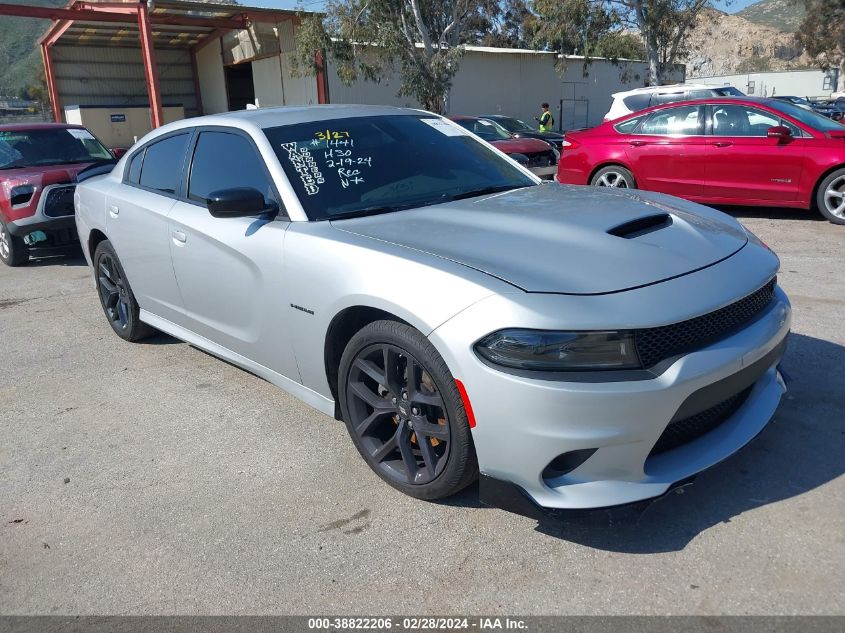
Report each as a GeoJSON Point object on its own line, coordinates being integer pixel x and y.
{"type": "Point", "coordinates": [641, 226]}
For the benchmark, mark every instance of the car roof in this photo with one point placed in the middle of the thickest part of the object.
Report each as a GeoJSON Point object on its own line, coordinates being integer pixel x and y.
{"type": "Point", "coordinates": [26, 127]}
{"type": "Point", "coordinates": [668, 88]}
{"type": "Point", "coordinates": [745, 100]}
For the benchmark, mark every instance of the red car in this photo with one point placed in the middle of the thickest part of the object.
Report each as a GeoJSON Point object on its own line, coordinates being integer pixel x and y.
{"type": "Point", "coordinates": [539, 156]}
{"type": "Point", "coordinates": [38, 165]}
{"type": "Point", "coordinates": [732, 151]}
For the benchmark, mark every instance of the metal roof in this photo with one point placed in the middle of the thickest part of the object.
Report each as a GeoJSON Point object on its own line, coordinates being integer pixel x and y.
{"type": "Point", "coordinates": [175, 24]}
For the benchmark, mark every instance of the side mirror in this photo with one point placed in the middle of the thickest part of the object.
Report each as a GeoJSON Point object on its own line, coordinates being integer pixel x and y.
{"type": "Point", "coordinates": [238, 202]}
{"type": "Point", "coordinates": [780, 132]}
{"type": "Point", "coordinates": [118, 152]}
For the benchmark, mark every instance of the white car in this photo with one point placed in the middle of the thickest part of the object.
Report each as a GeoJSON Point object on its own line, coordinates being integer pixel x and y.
{"type": "Point", "coordinates": [625, 103]}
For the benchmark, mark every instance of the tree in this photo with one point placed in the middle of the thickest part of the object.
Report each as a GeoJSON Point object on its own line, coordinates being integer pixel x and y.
{"type": "Point", "coordinates": [423, 38]}
{"type": "Point", "coordinates": [822, 33]}
{"type": "Point", "coordinates": [580, 25]}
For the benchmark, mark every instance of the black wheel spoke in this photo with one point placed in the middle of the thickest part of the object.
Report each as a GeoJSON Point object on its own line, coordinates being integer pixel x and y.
{"type": "Point", "coordinates": [370, 368]}
{"type": "Point", "coordinates": [408, 459]}
{"type": "Point", "coordinates": [122, 312]}
{"type": "Point", "coordinates": [385, 450]}
{"type": "Point", "coordinates": [413, 384]}
{"type": "Point", "coordinates": [391, 370]}
{"type": "Point", "coordinates": [427, 429]}
{"type": "Point", "coordinates": [367, 424]}
{"type": "Point", "coordinates": [371, 398]}
{"type": "Point", "coordinates": [429, 457]}
{"type": "Point", "coordinates": [431, 399]}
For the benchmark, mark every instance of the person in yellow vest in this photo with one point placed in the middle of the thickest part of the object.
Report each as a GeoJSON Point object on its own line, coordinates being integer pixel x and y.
{"type": "Point", "coordinates": [546, 119]}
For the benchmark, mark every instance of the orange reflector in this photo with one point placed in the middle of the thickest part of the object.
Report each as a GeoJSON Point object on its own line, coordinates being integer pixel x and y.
{"type": "Point", "coordinates": [467, 405]}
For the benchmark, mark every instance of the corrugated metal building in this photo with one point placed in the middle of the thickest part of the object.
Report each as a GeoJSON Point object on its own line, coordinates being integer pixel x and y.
{"type": "Point", "coordinates": [810, 84]}
{"type": "Point", "coordinates": [515, 82]}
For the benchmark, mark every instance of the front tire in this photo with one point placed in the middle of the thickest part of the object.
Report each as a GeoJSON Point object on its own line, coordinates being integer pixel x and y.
{"type": "Point", "coordinates": [614, 176]}
{"type": "Point", "coordinates": [116, 297]}
{"type": "Point", "coordinates": [403, 411]}
{"type": "Point", "coordinates": [830, 197]}
{"type": "Point", "coordinates": [13, 250]}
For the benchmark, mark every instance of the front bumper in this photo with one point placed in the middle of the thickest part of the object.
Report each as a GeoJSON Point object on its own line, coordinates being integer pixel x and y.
{"type": "Point", "coordinates": [46, 216]}
{"type": "Point", "coordinates": [524, 423]}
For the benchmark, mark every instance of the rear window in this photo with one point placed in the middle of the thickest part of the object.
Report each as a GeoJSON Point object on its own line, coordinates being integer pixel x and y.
{"type": "Point", "coordinates": [636, 103]}
{"type": "Point", "coordinates": [668, 97]}
{"type": "Point", "coordinates": [728, 91]}
{"type": "Point", "coordinates": [162, 167]}
{"type": "Point", "coordinates": [626, 127]}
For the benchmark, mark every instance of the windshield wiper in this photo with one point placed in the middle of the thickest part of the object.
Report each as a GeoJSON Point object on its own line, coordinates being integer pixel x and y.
{"type": "Point", "coordinates": [375, 210]}
{"type": "Point", "coordinates": [485, 191]}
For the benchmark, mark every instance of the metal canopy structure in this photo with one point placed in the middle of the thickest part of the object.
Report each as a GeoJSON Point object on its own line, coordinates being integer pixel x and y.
{"type": "Point", "coordinates": [163, 24]}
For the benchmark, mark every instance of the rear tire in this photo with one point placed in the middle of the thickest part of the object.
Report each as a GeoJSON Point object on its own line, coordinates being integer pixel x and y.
{"type": "Point", "coordinates": [830, 197]}
{"type": "Point", "coordinates": [13, 250]}
{"type": "Point", "coordinates": [116, 297]}
{"type": "Point", "coordinates": [614, 176]}
{"type": "Point", "coordinates": [404, 413]}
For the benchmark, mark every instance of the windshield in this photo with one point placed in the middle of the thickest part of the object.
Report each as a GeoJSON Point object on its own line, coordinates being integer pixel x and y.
{"type": "Point", "coordinates": [51, 146]}
{"type": "Point", "coordinates": [485, 128]}
{"type": "Point", "coordinates": [807, 117]}
{"type": "Point", "coordinates": [729, 91]}
{"type": "Point", "coordinates": [514, 125]}
{"type": "Point", "coordinates": [366, 165]}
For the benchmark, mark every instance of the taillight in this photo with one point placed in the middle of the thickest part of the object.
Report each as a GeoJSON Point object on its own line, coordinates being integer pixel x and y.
{"type": "Point", "coordinates": [568, 144]}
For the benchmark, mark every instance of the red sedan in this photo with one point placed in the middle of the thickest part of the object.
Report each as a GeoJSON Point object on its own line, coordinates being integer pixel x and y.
{"type": "Point", "coordinates": [732, 151]}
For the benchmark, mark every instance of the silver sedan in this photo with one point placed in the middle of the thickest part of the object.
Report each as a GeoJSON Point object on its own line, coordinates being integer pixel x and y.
{"type": "Point", "coordinates": [575, 347]}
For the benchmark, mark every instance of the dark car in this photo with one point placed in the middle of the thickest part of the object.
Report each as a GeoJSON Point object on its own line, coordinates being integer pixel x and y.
{"type": "Point", "coordinates": [38, 166]}
{"type": "Point", "coordinates": [830, 110]}
{"type": "Point", "coordinates": [520, 129]}
{"type": "Point", "coordinates": [539, 156]}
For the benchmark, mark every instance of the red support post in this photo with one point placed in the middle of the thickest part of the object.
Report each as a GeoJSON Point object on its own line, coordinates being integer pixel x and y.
{"type": "Point", "coordinates": [150, 68]}
{"type": "Point", "coordinates": [51, 84]}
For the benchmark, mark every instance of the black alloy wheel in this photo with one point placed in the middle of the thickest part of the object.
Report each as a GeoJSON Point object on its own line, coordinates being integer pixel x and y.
{"type": "Point", "coordinates": [398, 414]}
{"type": "Point", "coordinates": [404, 413]}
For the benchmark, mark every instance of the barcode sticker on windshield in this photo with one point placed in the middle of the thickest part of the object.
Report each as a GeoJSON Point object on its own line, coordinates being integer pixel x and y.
{"type": "Point", "coordinates": [80, 134]}
{"type": "Point", "coordinates": [444, 127]}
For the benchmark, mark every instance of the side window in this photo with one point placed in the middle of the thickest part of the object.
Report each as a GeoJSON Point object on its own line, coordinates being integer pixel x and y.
{"type": "Point", "coordinates": [701, 94]}
{"type": "Point", "coordinates": [671, 97]}
{"type": "Point", "coordinates": [626, 127]}
{"type": "Point", "coordinates": [794, 129]}
{"type": "Point", "coordinates": [734, 120]}
{"type": "Point", "coordinates": [163, 164]}
{"type": "Point", "coordinates": [684, 120]}
{"type": "Point", "coordinates": [133, 176]}
{"type": "Point", "coordinates": [225, 161]}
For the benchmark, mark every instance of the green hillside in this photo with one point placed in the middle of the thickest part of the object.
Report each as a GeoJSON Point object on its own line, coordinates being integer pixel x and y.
{"type": "Point", "coordinates": [20, 59]}
{"type": "Point", "coordinates": [785, 15]}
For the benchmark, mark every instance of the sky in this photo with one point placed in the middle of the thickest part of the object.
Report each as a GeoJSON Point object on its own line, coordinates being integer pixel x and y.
{"type": "Point", "coordinates": [731, 6]}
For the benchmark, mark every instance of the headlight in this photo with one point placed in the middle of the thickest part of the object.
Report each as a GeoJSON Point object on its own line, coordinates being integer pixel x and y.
{"type": "Point", "coordinates": [559, 351]}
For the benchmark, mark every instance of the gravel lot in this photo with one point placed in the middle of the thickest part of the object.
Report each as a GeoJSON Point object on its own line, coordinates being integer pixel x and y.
{"type": "Point", "coordinates": [153, 478]}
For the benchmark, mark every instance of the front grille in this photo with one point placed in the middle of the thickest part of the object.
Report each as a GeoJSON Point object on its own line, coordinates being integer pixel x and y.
{"type": "Point", "coordinates": [59, 202]}
{"type": "Point", "coordinates": [681, 432]}
{"type": "Point", "coordinates": [541, 159]}
{"type": "Point", "coordinates": [659, 343]}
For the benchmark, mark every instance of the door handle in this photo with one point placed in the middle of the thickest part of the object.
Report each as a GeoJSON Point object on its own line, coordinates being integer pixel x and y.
{"type": "Point", "coordinates": [114, 210]}
{"type": "Point", "coordinates": [179, 236]}
{"type": "Point", "coordinates": [638, 143]}
{"type": "Point", "coordinates": [722, 144]}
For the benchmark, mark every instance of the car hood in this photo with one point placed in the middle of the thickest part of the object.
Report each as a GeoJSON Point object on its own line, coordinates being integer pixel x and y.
{"type": "Point", "coordinates": [521, 145]}
{"type": "Point", "coordinates": [564, 239]}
